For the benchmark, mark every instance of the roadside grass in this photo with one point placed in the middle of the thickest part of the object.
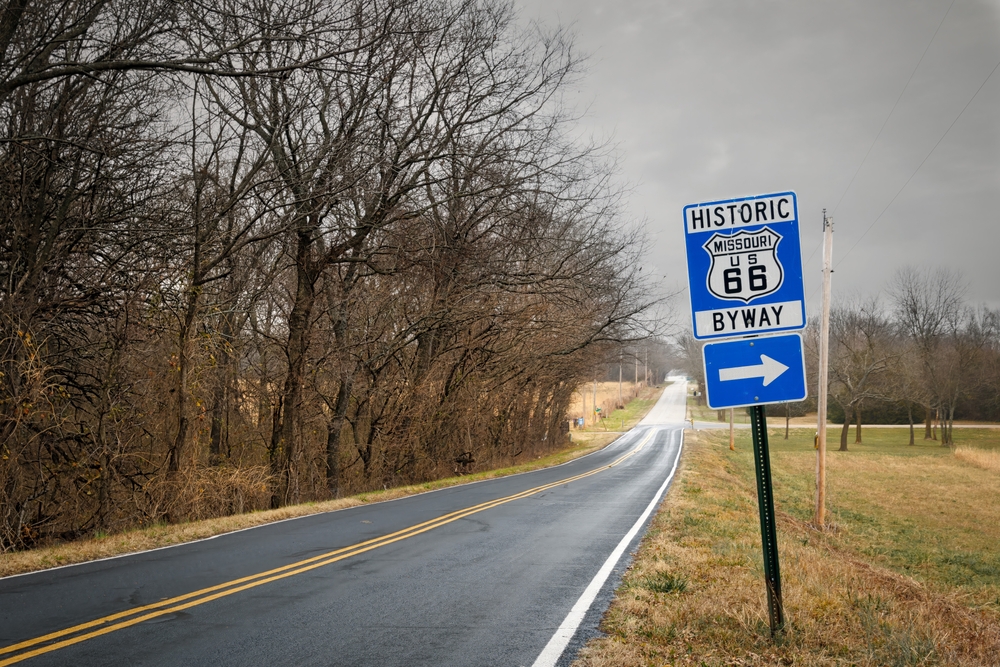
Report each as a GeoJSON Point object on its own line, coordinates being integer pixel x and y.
{"type": "Point", "coordinates": [920, 510]}
{"type": "Point", "coordinates": [703, 413]}
{"type": "Point", "coordinates": [582, 402]}
{"type": "Point", "coordinates": [103, 545]}
{"type": "Point", "coordinates": [908, 574]}
{"type": "Point", "coordinates": [625, 418]}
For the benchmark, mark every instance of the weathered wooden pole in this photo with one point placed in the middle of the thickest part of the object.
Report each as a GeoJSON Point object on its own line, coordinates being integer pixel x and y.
{"type": "Point", "coordinates": [824, 373]}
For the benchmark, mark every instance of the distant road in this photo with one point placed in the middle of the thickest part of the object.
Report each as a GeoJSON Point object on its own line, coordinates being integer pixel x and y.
{"type": "Point", "coordinates": [512, 571]}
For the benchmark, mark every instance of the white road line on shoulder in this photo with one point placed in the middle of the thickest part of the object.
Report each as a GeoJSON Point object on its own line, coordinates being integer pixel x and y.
{"type": "Point", "coordinates": [554, 649]}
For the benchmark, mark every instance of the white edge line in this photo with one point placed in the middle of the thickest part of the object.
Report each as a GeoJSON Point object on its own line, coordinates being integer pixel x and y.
{"type": "Point", "coordinates": [314, 514]}
{"type": "Point", "coordinates": [554, 649]}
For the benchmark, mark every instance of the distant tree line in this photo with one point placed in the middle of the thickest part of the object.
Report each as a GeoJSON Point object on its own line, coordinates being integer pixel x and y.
{"type": "Point", "coordinates": [922, 354]}
{"type": "Point", "coordinates": [918, 355]}
{"type": "Point", "coordinates": [255, 253]}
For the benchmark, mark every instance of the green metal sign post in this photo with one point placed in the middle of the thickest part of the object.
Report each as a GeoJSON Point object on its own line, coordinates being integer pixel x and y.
{"type": "Point", "coordinates": [768, 534]}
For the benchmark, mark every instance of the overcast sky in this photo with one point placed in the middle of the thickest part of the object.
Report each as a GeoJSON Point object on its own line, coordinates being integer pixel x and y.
{"type": "Point", "coordinates": [869, 109]}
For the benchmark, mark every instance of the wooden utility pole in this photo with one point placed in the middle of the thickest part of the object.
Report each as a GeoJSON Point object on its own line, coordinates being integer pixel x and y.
{"type": "Point", "coordinates": [595, 401]}
{"type": "Point", "coordinates": [824, 373]}
{"type": "Point", "coordinates": [620, 401]}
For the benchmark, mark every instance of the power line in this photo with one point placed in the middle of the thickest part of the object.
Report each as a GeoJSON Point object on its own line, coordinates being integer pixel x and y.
{"type": "Point", "coordinates": [976, 94]}
{"type": "Point", "coordinates": [885, 122]}
{"type": "Point", "coordinates": [891, 111]}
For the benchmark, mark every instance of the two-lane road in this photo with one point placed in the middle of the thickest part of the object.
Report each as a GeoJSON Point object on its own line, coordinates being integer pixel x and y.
{"type": "Point", "coordinates": [512, 571]}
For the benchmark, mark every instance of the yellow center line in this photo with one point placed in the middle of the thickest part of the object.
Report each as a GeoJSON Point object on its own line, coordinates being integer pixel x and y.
{"type": "Point", "coordinates": [194, 598]}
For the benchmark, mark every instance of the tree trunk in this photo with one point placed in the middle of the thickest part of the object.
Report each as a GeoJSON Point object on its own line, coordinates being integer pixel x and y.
{"type": "Point", "coordinates": [183, 369]}
{"type": "Point", "coordinates": [282, 452]}
{"type": "Point", "coordinates": [218, 417]}
{"type": "Point", "coordinates": [220, 397]}
{"type": "Point", "coordinates": [336, 423]}
{"type": "Point", "coordinates": [333, 431]}
{"type": "Point", "coordinates": [363, 445]}
{"type": "Point", "coordinates": [845, 429]}
{"type": "Point", "coordinates": [947, 428]}
{"type": "Point", "coordinates": [927, 424]}
{"type": "Point", "coordinates": [909, 415]}
{"type": "Point", "coordinates": [857, 431]}
{"type": "Point", "coordinates": [283, 441]}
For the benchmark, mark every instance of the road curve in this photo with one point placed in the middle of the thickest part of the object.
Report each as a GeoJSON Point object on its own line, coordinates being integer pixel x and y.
{"type": "Point", "coordinates": [500, 572]}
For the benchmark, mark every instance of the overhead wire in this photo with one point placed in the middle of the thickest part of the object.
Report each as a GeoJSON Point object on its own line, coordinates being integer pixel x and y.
{"type": "Point", "coordinates": [926, 157]}
{"type": "Point", "coordinates": [891, 111]}
{"type": "Point", "coordinates": [886, 121]}
{"type": "Point", "coordinates": [938, 143]}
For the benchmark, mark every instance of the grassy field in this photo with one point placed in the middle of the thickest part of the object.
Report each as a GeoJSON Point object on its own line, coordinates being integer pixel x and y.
{"type": "Point", "coordinates": [584, 442]}
{"type": "Point", "coordinates": [908, 574]}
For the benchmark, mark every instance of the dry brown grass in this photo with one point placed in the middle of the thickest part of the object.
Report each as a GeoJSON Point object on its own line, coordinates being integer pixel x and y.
{"type": "Point", "coordinates": [983, 458]}
{"type": "Point", "coordinates": [607, 398]}
{"type": "Point", "coordinates": [695, 594]}
{"type": "Point", "coordinates": [248, 492]}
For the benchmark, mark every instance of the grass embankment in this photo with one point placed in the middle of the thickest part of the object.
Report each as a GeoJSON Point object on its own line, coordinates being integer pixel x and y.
{"type": "Point", "coordinates": [703, 413]}
{"type": "Point", "coordinates": [614, 423]}
{"type": "Point", "coordinates": [582, 403]}
{"type": "Point", "coordinates": [908, 575]}
{"type": "Point", "coordinates": [104, 546]}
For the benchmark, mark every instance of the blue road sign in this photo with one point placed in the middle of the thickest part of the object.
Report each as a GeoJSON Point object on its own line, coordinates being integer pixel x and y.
{"type": "Point", "coordinates": [745, 266]}
{"type": "Point", "coordinates": [755, 371]}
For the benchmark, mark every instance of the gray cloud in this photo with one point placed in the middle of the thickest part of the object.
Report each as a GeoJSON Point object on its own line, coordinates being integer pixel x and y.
{"type": "Point", "coordinates": [711, 99]}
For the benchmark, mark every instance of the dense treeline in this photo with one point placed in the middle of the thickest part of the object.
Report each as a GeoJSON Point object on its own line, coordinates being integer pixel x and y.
{"type": "Point", "coordinates": [255, 253]}
{"type": "Point", "coordinates": [918, 353]}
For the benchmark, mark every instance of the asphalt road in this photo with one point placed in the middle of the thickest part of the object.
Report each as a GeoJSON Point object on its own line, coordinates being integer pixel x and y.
{"type": "Point", "coordinates": [513, 571]}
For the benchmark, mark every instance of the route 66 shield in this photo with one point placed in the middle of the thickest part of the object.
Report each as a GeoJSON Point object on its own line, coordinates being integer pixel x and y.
{"type": "Point", "coordinates": [744, 264]}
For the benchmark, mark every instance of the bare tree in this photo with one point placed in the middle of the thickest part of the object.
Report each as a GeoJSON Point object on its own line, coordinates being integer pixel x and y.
{"type": "Point", "coordinates": [968, 335]}
{"type": "Point", "coordinates": [929, 308]}
{"type": "Point", "coordinates": [223, 208]}
{"type": "Point", "coordinates": [860, 353]}
{"type": "Point", "coordinates": [79, 170]}
{"type": "Point", "coordinates": [691, 357]}
{"type": "Point", "coordinates": [46, 41]}
{"type": "Point", "coordinates": [905, 381]}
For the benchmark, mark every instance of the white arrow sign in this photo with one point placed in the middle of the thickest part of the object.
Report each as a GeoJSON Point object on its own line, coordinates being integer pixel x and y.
{"type": "Point", "coordinates": [769, 369]}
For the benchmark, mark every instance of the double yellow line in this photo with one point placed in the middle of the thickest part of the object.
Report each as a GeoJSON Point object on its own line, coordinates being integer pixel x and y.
{"type": "Point", "coordinates": [107, 624]}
